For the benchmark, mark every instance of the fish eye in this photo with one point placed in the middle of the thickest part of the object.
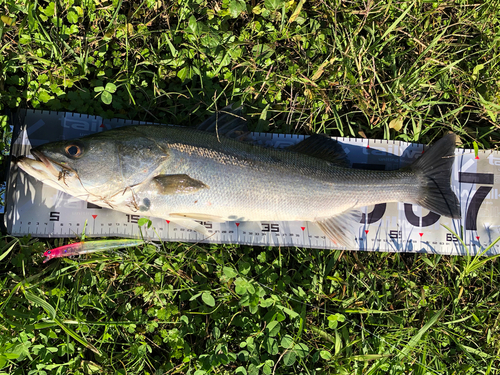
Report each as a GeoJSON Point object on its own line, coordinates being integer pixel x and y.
{"type": "Point", "coordinates": [49, 252]}
{"type": "Point", "coordinates": [74, 150]}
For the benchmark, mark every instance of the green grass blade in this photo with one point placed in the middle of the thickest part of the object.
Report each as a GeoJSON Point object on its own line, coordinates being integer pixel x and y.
{"type": "Point", "coordinates": [75, 336]}
{"type": "Point", "coordinates": [7, 252]}
{"type": "Point", "coordinates": [395, 24]}
{"type": "Point", "coordinates": [40, 302]}
{"type": "Point", "coordinates": [52, 313]}
{"type": "Point", "coordinates": [416, 339]}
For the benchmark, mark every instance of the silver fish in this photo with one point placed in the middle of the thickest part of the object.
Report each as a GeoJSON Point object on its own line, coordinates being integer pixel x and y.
{"type": "Point", "coordinates": [186, 175]}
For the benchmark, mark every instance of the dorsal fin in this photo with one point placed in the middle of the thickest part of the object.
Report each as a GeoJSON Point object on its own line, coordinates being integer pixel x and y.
{"type": "Point", "coordinates": [228, 122]}
{"type": "Point", "coordinates": [323, 147]}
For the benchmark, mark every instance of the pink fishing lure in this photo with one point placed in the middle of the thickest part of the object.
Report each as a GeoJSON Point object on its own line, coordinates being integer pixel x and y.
{"type": "Point", "coordinates": [80, 248]}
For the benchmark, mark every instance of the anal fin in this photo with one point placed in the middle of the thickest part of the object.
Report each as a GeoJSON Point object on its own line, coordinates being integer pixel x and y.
{"type": "Point", "coordinates": [341, 228]}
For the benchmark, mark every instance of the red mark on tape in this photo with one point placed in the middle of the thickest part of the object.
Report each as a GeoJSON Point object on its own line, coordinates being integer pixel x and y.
{"type": "Point", "coordinates": [94, 216]}
{"type": "Point", "coordinates": [237, 224]}
{"type": "Point", "coordinates": [303, 228]}
{"type": "Point", "coordinates": [421, 234]}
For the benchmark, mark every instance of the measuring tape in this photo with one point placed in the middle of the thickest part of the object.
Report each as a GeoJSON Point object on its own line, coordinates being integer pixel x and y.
{"type": "Point", "coordinates": [37, 209]}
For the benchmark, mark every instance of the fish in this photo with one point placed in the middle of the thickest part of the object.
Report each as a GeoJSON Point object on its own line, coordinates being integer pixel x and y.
{"type": "Point", "coordinates": [213, 173]}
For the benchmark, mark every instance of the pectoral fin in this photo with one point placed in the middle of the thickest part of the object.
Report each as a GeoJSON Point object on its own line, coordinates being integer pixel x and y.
{"type": "Point", "coordinates": [178, 184]}
{"type": "Point", "coordinates": [340, 229]}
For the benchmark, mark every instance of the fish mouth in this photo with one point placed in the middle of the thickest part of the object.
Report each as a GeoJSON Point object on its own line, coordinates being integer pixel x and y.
{"type": "Point", "coordinates": [54, 167]}
{"type": "Point", "coordinates": [41, 157]}
{"type": "Point", "coordinates": [42, 164]}
{"type": "Point", "coordinates": [46, 170]}
{"type": "Point", "coordinates": [37, 168]}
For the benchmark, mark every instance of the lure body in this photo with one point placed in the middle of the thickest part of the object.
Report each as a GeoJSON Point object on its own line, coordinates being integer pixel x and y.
{"type": "Point", "coordinates": [80, 248]}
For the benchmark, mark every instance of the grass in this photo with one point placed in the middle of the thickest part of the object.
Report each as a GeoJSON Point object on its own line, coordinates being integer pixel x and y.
{"type": "Point", "coordinates": [223, 308]}
{"type": "Point", "coordinates": [406, 70]}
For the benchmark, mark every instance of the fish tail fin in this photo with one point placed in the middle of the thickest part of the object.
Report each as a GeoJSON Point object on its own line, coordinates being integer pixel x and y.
{"type": "Point", "coordinates": [434, 169]}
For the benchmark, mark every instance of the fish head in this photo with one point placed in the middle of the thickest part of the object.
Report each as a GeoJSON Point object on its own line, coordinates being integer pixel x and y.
{"type": "Point", "coordinates": [85, 168]}
{"type": "Point", "coordinates": [101, 168]}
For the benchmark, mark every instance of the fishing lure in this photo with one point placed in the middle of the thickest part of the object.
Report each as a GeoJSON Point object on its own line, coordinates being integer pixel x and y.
{"type": "Point", "coordinates": [80, 248]}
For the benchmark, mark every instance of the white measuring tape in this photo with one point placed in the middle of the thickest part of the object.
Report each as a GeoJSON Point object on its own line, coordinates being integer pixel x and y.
{"type": "Point", "coordinates": [37, 209]}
